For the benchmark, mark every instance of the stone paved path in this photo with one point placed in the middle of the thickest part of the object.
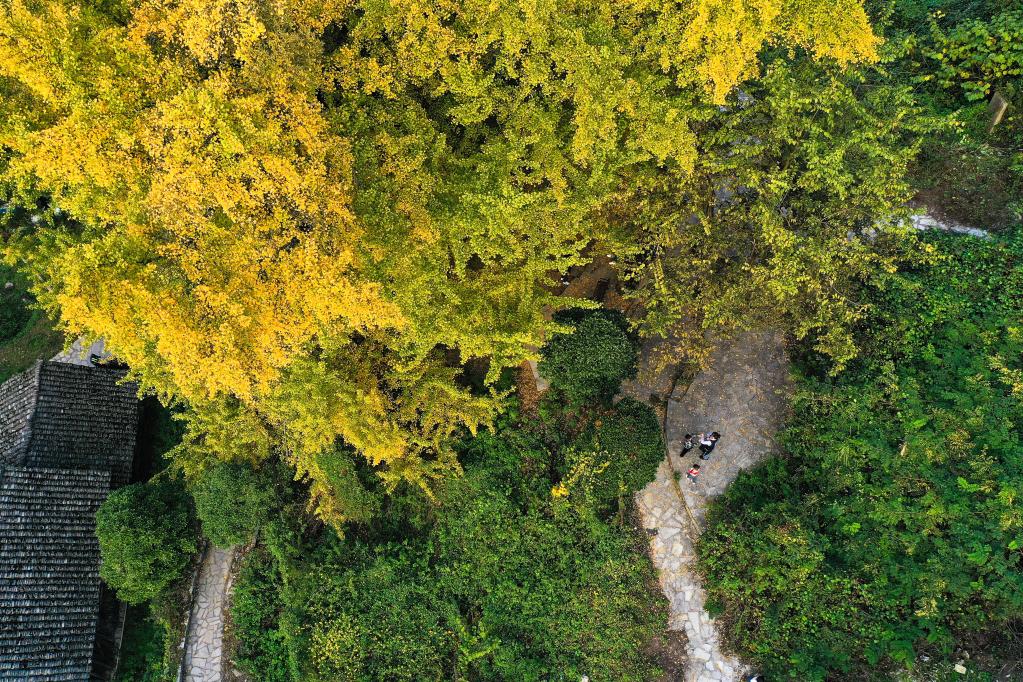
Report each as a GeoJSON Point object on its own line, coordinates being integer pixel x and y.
{"type": "Point", "coordinates": [741, 393]}
{"type": "Point", "coordinates": [924, 221]}
{"type": "Point", "coordinates": [80, 352]}
{"type": "Point", "coordinates": [203, 658]}
{"type": "Point", "coordinates": [655, 378]}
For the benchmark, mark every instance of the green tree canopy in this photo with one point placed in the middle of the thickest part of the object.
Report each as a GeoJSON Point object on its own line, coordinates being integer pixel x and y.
{"type": "Point", "coordinates": [591, 361]}
{"type": "Point", "coordinates": [233, 501]}
{"type": "Point", "coordinates": [147, 536]}
{"type": "Point", "coordinates": [630, 436]}
{"type": "Point", "coordinates": [799, 186]}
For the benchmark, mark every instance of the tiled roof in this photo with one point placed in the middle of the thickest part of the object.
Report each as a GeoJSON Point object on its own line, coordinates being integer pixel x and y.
{"type": "Point", "coordinates": [63, 416]}
{"type": "Point", "coordinates": [17, 403]}
{"type": "Point", "coordinates": [83, 415]}
{"type": "Point", "coordinates": [67, 435]}
{"type": "Point", "coordinates": [49, 572]}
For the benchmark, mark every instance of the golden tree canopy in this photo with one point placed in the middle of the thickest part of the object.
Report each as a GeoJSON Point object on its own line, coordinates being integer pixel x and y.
{"type": "Point", "coordinates": [300, 209]}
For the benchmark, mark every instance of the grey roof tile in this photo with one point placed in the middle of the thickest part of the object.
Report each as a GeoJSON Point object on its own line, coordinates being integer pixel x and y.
{"type": "Point", "coordinates": [49, 572]}
{"type": "Point", "coordinates": [63, 416]}
{"type": "Point", "coordinates": [84, 419]}
{"type": "Point", "coordinates": [67, 435]}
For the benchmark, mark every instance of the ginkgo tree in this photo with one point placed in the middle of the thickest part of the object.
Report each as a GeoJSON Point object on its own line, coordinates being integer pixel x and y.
{"type": "Point", "coordinates": [292, 215]}
{"type": "Point", "coordinates": [796, 206]}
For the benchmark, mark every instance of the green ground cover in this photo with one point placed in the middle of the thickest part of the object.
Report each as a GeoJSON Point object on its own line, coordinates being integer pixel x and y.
{"type": "Point", "coordinates": [26, 333]}
{"type": "Point", "coordinates": [891, 526]}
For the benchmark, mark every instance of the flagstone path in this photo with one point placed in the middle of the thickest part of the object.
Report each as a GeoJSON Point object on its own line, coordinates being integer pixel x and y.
{"type": "Point", "coordinates": [204, 652]}
{"type": "Point", "coordinates": [81, 352]}
{"type": "Point", "coordinates": [925, 221]}
{"type": "Point", "coordinates": [741, 393]}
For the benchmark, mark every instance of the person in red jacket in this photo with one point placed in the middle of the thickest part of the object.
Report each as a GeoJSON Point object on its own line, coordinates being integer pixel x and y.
{"type": "Point", "coordinates": [693, 473]}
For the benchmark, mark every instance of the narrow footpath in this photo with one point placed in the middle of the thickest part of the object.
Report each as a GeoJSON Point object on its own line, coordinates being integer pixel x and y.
{"type": "Point", "coordinates": [741, 393]}
{"type": "Point", "coordinates": [204, 650]}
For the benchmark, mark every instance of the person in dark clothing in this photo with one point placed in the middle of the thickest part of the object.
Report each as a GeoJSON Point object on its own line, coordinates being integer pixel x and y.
{"type": "Point", "coordinates": [707, 443]}
{"type": "Point", "coordinates": [688, 444]}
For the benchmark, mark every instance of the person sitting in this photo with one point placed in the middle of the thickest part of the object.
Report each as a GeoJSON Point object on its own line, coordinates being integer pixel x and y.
{"type": "Point", "coordinates": [693, 472]}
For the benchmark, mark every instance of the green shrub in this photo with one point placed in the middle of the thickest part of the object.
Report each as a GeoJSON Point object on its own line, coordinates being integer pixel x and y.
{"type": "Point", "coordinates": [631, 435]}
{"type": "Point", "coordinates": [146, 537]}
{"type": "Point", "coordinates": [141, 653]}
{"type": "Point", "coordinates": [14, 304]}
{"type": "Point", "coordinates": [592, 361]}
{"type": "Point", "coordinates": [256, 606]}
{"type": "Point", "coordinates": [546, 595]}
{"type": "Point", "coordinates": [613, 459]}
{"type": "Point", "coordinates": [27, 334]}
{"type": "Point", "coordinates": [233, 501]}
{"type": "Point", "coordinates": [518, 462]}
{"type": "Point", "coordinates": [978, 55]}
{"type": "Point", "coordinates": [379, 618]}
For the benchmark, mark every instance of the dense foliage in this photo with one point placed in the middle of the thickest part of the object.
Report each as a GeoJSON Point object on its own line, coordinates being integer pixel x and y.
{"type": "Point", "coordinates": [142, 647]}
{"type": "Point", "coordinates": [893, 524]}
{"type": "Point", "coordinates": [515, 571]}
{"type": "Point", "coordinates": [591, 361]}
{"type": "Point", "coordinates": [255, 611]}
{"type": "Point", "coordinates": [619, 454]}
{"type": "Point", "coordinates": [300, 216]}
{"type": "Point", "coordinates": [26, 333]}
{"type": "Point", "coordinates": [146, 537]}
{"type": "Point", "coordinates": [802, 158]}
{"type": "Point", "coordinates": [957, 55]}
{"type": "Point", "coordinates": [233, 501]}
{"type": "Point", "coordinates": [977, 55]}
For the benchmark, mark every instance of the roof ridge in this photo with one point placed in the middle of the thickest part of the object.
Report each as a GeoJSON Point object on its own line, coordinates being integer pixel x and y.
{"type": "Point", "coordinates": [38, 369]}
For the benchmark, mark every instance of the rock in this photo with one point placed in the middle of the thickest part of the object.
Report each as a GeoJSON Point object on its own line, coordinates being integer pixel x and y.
{"type": "Point", "coordinates": [960, 668]}
{"type": "Point", "coordinates": [996, 108]}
